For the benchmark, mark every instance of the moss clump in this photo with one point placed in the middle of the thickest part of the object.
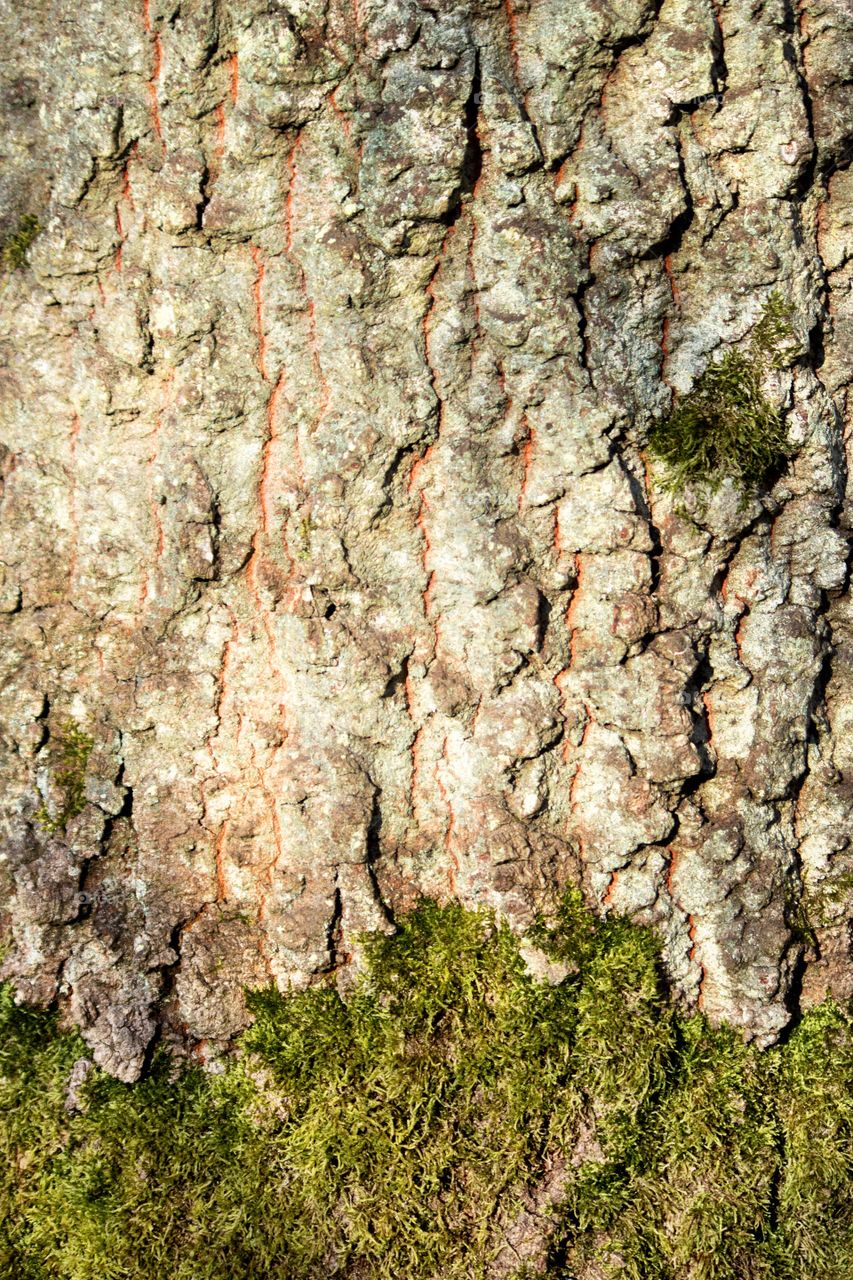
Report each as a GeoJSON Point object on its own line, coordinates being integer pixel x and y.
{"type": "Point", "coordinates": [394, 1135]}
{"type": "Point", "coordinates": [71, 749]}
{"type": "Point", "coordinates": [15, 246]}
{"type": "Point", "coordinates": [725, 427]}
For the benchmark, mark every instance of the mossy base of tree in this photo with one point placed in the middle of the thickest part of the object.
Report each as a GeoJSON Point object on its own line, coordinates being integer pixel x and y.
{"type": "Point", "coordinates": [397, 1134]}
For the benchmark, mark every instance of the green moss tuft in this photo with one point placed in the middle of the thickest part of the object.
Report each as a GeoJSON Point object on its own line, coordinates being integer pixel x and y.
{"type": "Point", "coordinates": [398, 1134]}
{"type": "Point", "coordinates": [725, 427]}
{"type": "Point", "coordinates": [71, 750]}
{"type": "Point", "coordinates": [15, 246]}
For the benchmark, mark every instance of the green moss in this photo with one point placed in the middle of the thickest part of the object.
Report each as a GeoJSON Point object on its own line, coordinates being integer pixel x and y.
{"type": "Point", "coordinates": [70, 749]}
{"type": "Point", "coordinates": [15, 246]}
{"type": "Point", "coordinates": [725, 427]}
{"type": "Point", "coordinates": [393, 1135]}
{"type": "Point", "coordinates": [807, 908]}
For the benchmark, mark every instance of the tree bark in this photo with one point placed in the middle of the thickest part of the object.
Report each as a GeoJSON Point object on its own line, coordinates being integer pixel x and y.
{"type": "Point", "coordinates": [327, 512]}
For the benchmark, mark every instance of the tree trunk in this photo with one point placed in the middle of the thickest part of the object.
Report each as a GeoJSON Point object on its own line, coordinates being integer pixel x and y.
{"type": "Point", "coordinates": [327, 509]}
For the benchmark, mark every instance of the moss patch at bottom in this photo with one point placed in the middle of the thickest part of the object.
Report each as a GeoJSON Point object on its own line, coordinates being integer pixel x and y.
{"type": "Point", "coordinates": [405, 1133]}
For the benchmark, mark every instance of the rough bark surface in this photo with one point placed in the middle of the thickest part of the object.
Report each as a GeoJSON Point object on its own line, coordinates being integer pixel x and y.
{"type": "Point", "coordinates": [325, 505]}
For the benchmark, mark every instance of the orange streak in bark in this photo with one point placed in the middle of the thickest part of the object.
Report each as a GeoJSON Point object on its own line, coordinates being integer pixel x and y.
{"type": "Point", "coordinates": [233, 78]}
{"type": "Point", "coordinates": [288, 248]}
{"type": "Point", "coordinates": [345, 122]}
{"type": "Point", "coordinates": [313, 340]}
{"type": "Point", "coordinates": [469, 257]}
{"type": "Point", "coordinates": [558, 541]}
{"type": "Point", "coordinates": [421, 523]}
{"type": "Point", "coordinates": [586, 732]}
{"type": "Point", "coordinates": [219, 118]}
{"type": "Point", "coordinates": [291, 193]}
{"type": "Point", "coordinates": [573, 803]}
{"type": "Point", "coordinates": [573, 604]}
{"type": "Point", "coordinates": [127, 196]}
{"type": "Point", "coordinates": [691, 924]}
{"type": "Point", "coordinates": [258, 292]}
{"type": "Point", "coordinates": [264, 889]}
{"type": "Point", "coordinates": [526, 458]}
{"type": "Point", "coordinates": [608, 896]}
{"type": "Point", "coordinates": [739, 632]}
{"type": "Point", "coordinates": [558, 176]}
{"type": "Point", "coordinates": [266, 456]}
{"type": "Point", "coordinates": [709, 712]}
{"type": "Point", "coordinates": [416, 747]}
{"type": "Point", "coordinates": [325, 390]}
{"type": "Point", "coordinates": [426, 321]}
{"type": "Point", "coordinates": [222, 687]}
{"type": "Point", "coordinates": [512, 31]}
{"type": "Point", "coordinates": [121, 239]}
{"type": "Point", "coordinates": [221, 885]}
{"type": "Point", "coordinates": [421, 519]}
{"type": "Point", "coordinates": [73, 437]}
{"type": "Point", "coordinates": [416, 772]}
{"type": "Point", "coordinates": [416, 466]}
{"type": "Point", "coordinates": [451, 820]}
{"type": "Point", "coordinates": [674, 289]}
{"type": "Point", "coordinates": [559, 681]}
{"type": "Point", "coordinates": [691, 933]}
{"type": "Point", "coordinates": [160, 545]}
{"type": "Point", "coordinates": [153, 83]}
{"type": "Point", "coordinates": [260, 533]}
{"type": "Point", "coordinates": [409, 688]}
{"type": "Point", "coordinates": [715, 5]}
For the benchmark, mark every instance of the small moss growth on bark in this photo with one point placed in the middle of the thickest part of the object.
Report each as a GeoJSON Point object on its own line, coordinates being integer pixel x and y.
{"type": "Point", "coordinates": [15, 246]}
{"type": "Point", "coordinates": [72, 750]}
{"type": "Point", "coordinates": [400, 1133]}
{"type": "Point", "coordinates": [725, 427]}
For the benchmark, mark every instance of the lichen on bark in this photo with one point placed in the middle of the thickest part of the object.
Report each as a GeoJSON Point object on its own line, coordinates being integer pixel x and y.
{"type": "Point", "coordinates": [327, 390]}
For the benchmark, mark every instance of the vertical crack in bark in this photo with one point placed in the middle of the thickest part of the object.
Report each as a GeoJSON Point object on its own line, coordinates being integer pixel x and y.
{"type": "Point", "coordinates": [527, 448]}
{"type": "Point", "coordinates": [450, 827]}
{"type": "Point", "coordinates": [691, 925]}
{"type": "Point", "coordinates": [73, 441]}
{"type": "Point", "coordinates": [156, 71]}
{"type": "Point", "coordinates": [719, 70]}
{"type": "Point", "coordinates": [334, 930]}
{"type": "Point", "coordinates": [571, 625]}
{"type": "Point", "coordinates": [127, 200]}
{"type": "Point", "coordinates": [576, 777]}
{"type": "Point", "coordinates": [145, 593]}
{"type": "Point", "coordinates": [258, 294]}
{"type": "Point", "coordinates": [264, 612]}
{"type": "Point", "coordinates": [374, 854]}
{"type": "Point", "coordinates": [324, 389]}
{"type": "Point", "coordinates": [515, 59]}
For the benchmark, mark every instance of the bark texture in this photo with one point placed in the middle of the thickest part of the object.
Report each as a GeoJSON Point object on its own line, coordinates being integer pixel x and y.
{"type": "Point", "coordinates": [325, 507]}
